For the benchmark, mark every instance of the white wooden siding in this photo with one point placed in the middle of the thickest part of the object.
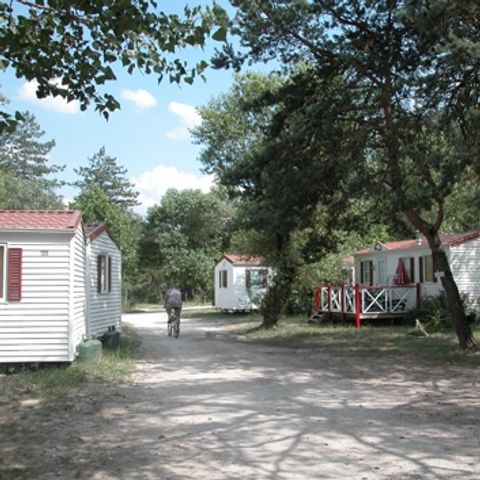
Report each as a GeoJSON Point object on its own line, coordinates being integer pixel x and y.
{"type": "Point", "coordinates": [464, 261]}
{"type": "Point", "coordinates": [36, 329]}
{"type": "Point", "coordinates": [105, 309]}
{"type": "Point", "coordinates": [77, 293]}
{"type": "Point", "coordinates": [465, 265]}
{"type": "Point", "coordinates": [224, 297]}
{"type": "Point", "coordinates": [236, 295]}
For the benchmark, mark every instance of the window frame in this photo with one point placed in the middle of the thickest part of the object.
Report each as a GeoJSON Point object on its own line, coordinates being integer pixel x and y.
{"type": "Point", "coordinates": [104, 274]}
{"type": "Point", "coordinates": [222, 278]}
{"type": "Point", "coordinates": [258, 274]}
{"type": "Point", "coordinates": [422, 265]}
{"type": "Point", "coordinates": [363, 271]}
{"type": "Point", "coordinates": [409, 264]}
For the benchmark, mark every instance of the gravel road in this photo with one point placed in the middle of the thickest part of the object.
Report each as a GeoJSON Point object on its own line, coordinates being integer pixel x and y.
{"type": "Point", "coordinates": [205, 406]}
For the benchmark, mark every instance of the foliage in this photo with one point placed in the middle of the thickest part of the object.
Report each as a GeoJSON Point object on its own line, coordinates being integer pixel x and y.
{"type": "Point", "coordinates": [103, 170]}
{"type": "Point", "coordinates": [408, 86]}
{"type": "Point", "coordinates": [435, 314]}
{"type": "Point", "coordinates": [97, 207]}
{"type": "Point", "coordinates": [72, 48]}
{"type": "Point", "coordinates": [463, 204]}
{"type": "Point", "coordinates": [181, 238]}
{"type": "Point", "coordinates": [292, 169]}
{"type": "Point", "coordinates": [27, 179]}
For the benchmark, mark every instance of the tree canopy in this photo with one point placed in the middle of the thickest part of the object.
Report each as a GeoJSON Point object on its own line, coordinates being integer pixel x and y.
{"type": "Point", "coordinates": [28, 179]}
{"type": "Point", "coordinates": [102, 170]}
{"type": "Point", "coordinates": [73, 48]}
{"type": "Point", "coordinates": [182, 237]}
{"type": "Point", "coordinates": [409, 73]}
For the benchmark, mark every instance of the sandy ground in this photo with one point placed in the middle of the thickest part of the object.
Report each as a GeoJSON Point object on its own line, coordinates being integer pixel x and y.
{"type": "Point", "coordinates": [205, 406]}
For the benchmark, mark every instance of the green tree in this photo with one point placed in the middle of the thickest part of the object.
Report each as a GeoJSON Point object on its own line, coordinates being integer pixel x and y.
{"type": "Point", "coordinates": [181, 238]}
{"type": "Point", "coordinates": [463, 204]}
{"type": "Point", "coordinates": [290, 167]}
{"type": "Point", "coordinates": [72, 48]}
{"type": "Point", "coordinates": [410, 68]}
{"type": "Point", "coordinates": [103, 171]}
{"type": "Point", "coordinates": [96, 207]}
{"type": "Point", "coordinates": [28, 179]}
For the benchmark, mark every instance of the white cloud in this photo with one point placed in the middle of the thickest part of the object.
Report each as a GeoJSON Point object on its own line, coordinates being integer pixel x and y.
{"type": "Point", "coordinates": [141, 98]}
{"type": "Point", "coordinates": [189, 118]}
{"type": "Point", "coordinates": [27, 93]}
{"type": "Point", "coordinates": [153, 184]}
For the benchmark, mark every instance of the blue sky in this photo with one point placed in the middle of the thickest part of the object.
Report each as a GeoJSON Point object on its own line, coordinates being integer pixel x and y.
{"type": "Point", "coordinates": [149, 135]}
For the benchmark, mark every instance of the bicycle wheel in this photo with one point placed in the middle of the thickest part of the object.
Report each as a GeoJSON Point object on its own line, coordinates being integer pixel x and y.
{"type": "Point", "coordinates": [177, 327]}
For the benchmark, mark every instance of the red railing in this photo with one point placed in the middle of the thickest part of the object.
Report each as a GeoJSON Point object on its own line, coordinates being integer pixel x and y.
{"type": "Point", "coordinates": [362, 300]}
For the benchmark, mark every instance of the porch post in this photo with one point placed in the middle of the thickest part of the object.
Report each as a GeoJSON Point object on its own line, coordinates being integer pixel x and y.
{"type": "Point", "coordinates": [358, 306]}
{"type": "Point", "coordinates": [329, 299]}
{"type": "Point", "coordinates": [342, 300]}
{"type": "Point", "coordinates": [317, 298]}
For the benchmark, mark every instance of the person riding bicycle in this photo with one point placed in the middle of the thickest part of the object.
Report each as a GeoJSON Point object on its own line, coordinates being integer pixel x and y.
{"type": "Point", "coordinates": [173, 301]}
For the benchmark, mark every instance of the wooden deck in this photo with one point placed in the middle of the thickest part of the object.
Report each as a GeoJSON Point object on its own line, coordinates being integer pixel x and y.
{"type": "Point", "coordinates": [366, 302]}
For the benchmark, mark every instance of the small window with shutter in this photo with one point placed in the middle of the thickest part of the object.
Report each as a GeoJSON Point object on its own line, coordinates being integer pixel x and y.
{"type": "Point", "coordinates": [10, 274]}
{"type": "Point", "coordinates": [104, 274]}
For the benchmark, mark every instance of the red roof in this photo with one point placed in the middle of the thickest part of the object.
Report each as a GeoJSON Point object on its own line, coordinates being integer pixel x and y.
{"type": "Point", "coordinates": [242, 259]}
{"type": "Point", "coordinates": [40, 219]}
{"type": "Point", "coordinates": [93, 230]}
{"type": "Point", "coordinates": [451, 240]}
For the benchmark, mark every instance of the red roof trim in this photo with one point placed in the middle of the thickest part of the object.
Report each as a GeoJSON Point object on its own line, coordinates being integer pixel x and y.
{"type": "Point", "coordinates": [451, 240]}
{"type": "Point", "coordinates": [94, 230]}
{"type": "Point", "coordinates": [241, 259]}
{"type": "Point", "coordinates": [40, 219]}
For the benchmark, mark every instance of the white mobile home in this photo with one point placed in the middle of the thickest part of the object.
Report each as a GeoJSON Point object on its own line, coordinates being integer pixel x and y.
{"type": "Point", "coordinates": [42, 285]}
{"type": "Point", "coordinates": [379, 265]}
{"type": "Point", "coordinates": [54, 291]}
{"type": "Point", "coordinates": [240, 281]}
{"type": "Point", "coordinates": [104, 306]}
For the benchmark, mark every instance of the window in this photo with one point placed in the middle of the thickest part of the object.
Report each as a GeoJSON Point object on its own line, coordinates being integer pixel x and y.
{"type": "Point", "coordinates": [222, 279]}
{"type": "Point", "coordinates": [409, 264]}
{"type": "Point", "coordinates": [256, 278]}
{"type": "Point", "coordinates": [10, 273]}
{"type": "Point", "coordinates": [104, 274]}
{"type": "Point", "coordinates": [425, 265]}
{"type": "Point", "coordinates": [366, 272]}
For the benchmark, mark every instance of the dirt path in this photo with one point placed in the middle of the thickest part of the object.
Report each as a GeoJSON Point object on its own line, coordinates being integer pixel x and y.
{"type": "Point", "coordinates": [206, 407]}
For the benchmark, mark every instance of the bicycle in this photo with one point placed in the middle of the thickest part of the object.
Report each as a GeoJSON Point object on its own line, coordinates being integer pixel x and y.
{"type": "Point", "coordinates": [173, 324]}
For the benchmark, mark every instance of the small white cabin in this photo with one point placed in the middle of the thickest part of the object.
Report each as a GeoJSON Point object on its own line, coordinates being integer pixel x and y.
{"type": "Point", "coordinates": [42, 285]}
{"type": "Point", "coordinates": [240, 282]}
{"type": "Point", "coordinates": [104, 306]}
{"type": "Point", "coordinates": [49, 302]}
{"type": "Point", "coordinates": [379, 265]}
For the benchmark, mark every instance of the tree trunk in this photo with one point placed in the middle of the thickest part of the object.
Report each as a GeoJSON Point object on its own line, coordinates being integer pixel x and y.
{"type": "Point", "coordinates": [441, 264]}
{"type": "Point", "coordinates": [276, 296]}
{"type": "Point", "coordinates": [430, 231]}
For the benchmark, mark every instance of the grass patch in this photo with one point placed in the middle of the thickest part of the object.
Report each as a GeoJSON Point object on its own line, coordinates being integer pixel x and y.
{"type": "Point", "coordinates": [370, 340]}
{"type": "Point", "coordinates": [55, 382]}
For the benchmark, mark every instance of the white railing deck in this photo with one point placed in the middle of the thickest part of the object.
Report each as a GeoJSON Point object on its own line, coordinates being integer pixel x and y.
{"type": "Point", "coordinates": [365, 300]}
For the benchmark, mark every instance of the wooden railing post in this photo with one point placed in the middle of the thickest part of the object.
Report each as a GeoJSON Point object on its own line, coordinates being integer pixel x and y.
{"type": "Point", "coordinates": [419, 296]}
{"type": "Point", "coordinates": [329, 298]}
{"type": "Point", "coordinates": [317, 298]}
{"type": "Point", "coordinates": [358, 306]}
{"type": "Point", "coordinates": [342, 300]}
